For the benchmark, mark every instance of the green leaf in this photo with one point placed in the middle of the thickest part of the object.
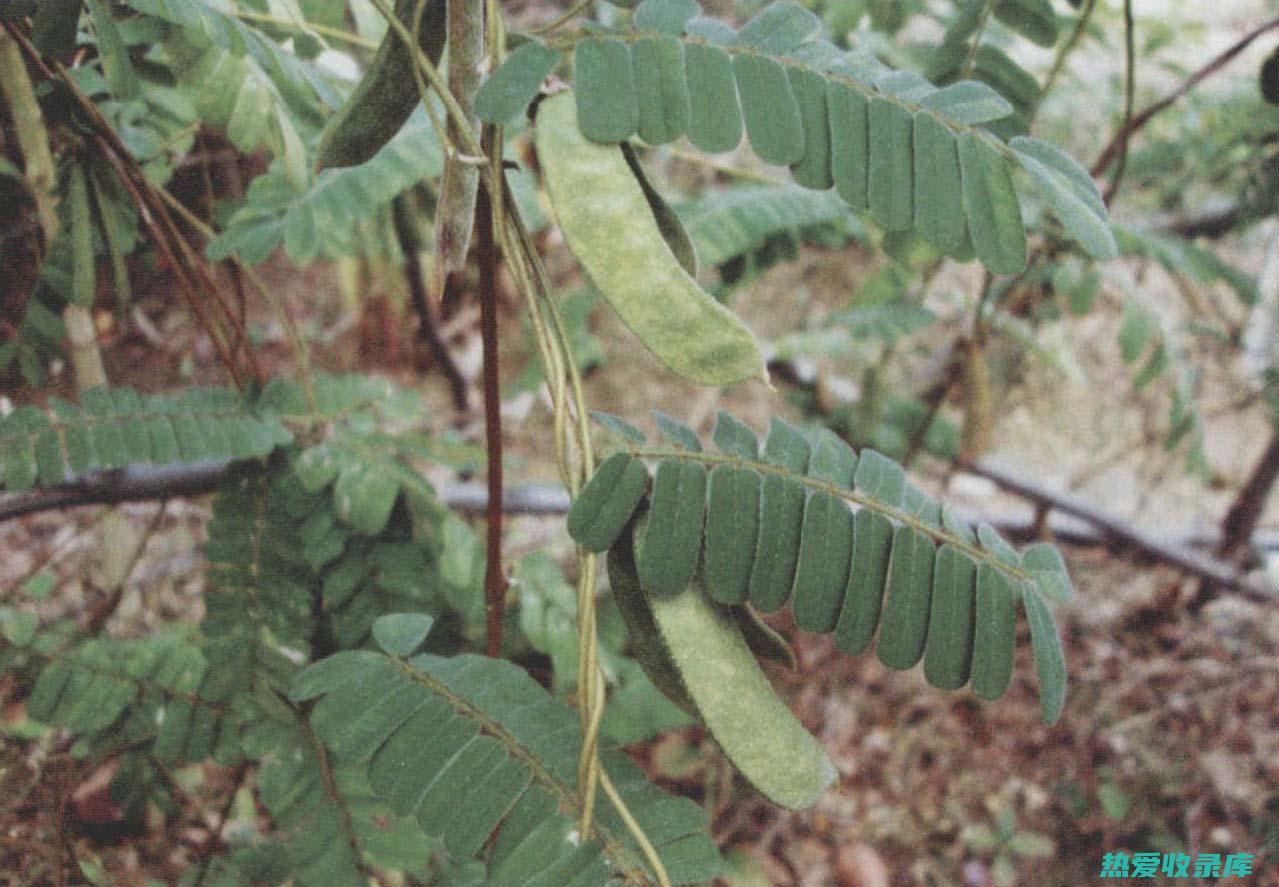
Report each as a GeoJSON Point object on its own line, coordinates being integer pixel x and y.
{"type": "Point", "coordinates": [1070, 194]}
{"type": "Point", "coordinates": [1046, 567]}
{"type": "Point", "coordinates": [850, 127]}
{"type": "Point", "coordinates": [949, 650]}
{"type": "Point", "coordinates": [671, 549]}
{"type": "Point", "coordinates": [714, 120]}
{"type": "Point", "coordinates": [769, 108]}
{"type": "Point", "coordinates": [603, 508]}
{"type": "Point", "coordinates": [733, 224]}
{"type": "Point", "coordinates": [939, 197]}
{"type": "Point", "coordinates": [814, 169]}
{"type": "Point", "coordinates": [880, 477]}
{"type": "Point", "coordinates": [734, 438]}
{"type": "Point", "coordinates": [991, 206]}
{"type": "Point", "coordinates": [400, 634]}
{"type": "Point", "coordinates": [833, 531]}
{"type": "Point", "coordinates": [665, 16]}
{"type": "Point", "coordinates": [732, 532]}
{"type": "Point", "coordinates": [116, 65]}
{"type": "Point", "coordinates": [607, 104]}
{"type": "Point", "coordinates": [1050, 661]}
{"type": "Point", "coordinates": [832, 459]}
{"type": "Point", "coordinates": [515, 83]}
{"type": "Point", "coordinates": [908, 599]}
{"type": "Point", "coordinates": [968, 102]}
{"type": "Point", "coordinates": [659, 89]}
{"type": "Point", "coordinates": [825, 552]}
{"type": "Point", "coordinates": [1139, 326]}
{"type": "Point", "coordinates": [1034, 19]}
{"type": "Point", "coordinates": [993, 638]}
{"type": "Point", "coordinates": [619, 426]}
{"type": "Point", "coordinates": [872, 538]}
{"type": "Point", "coordinates": [676, 432]}
{"type": "Point", "coordinates": [779, 28]}
{"type": "Point", "coordinates": [890, 192]}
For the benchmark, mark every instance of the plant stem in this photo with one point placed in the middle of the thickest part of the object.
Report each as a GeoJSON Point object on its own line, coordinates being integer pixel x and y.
{"type": "Point", "coordinates": [1059, 63]}
{"type": "Point", "coordinates": [1141, 119]}
{"type": "Point", "coordinates": [1130, 92]}
{"type": "Point", "coordinates": [494, 578]}
{"type": "Point", "coordinates": [1241, 520]}
{"type": "Point", "coordinates": [406, 234]}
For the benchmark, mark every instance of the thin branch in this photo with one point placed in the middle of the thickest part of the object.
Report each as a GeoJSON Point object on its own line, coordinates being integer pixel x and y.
{"type": "Point", "coordinates": [1130, 100]}
{"type": "Point", "coordinates": [1070, 519]}
{"type": "Point", "coordinates": [410, 246]}
{"type": "Point", "coordinates": [1072, 42]}
{"type": "Point", "coordinates": [1241, 520]}
{"type": "Point", "coordinates": [494, 578]}
{"type": "Point", "coordinates": [1122, 535]}
{"type": "Point", "coordinates": [1143, 117]}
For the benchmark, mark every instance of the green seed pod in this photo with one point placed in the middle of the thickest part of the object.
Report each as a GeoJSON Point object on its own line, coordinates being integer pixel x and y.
{"type": "Point", "coordinates": [610, 227]}
{"type": "Point", "coordinates": [386, 95]}
{"type": "Point", "coordinates": [694, 651]}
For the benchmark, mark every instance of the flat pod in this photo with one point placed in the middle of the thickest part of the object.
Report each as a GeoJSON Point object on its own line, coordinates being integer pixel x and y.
{"type": "Point", "coordinates": [672, 540]}
{"type": "Point", "coordinates": [825, 552]}
{"type": "Point", "coordinates": [948, 653]}
{"type": "Point", "coordinates": [732, 531]}
{"type": "Point", "coordinates": [768, 105]}
{"type": "Point", "coordinates": [603, 507]}
{"type": "Point", "coordinates": [735, 701]}
{"type": "Point", "coordinates": [605, 218]}
{"type": "Point", "coordinates": [907, 600]}
{"type": "Point", "coordinates": [863, 598]}
{"type": "Point", "coordinates": [645, 641]}
{"type": "Point", "coordinates": [714, 119]}
{"type": "Point", "coordinates": [891, 190]}
{"type": "Point", "coordinates": [387, 93]}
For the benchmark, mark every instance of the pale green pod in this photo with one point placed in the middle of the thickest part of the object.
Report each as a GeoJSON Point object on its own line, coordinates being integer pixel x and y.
{"type": "Point", "coordinates": [608, 225]}
{"type": "Point", "coordinates": [695, 651]}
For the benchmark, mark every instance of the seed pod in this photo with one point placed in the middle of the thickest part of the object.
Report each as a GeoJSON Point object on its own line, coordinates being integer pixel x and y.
{"type": "Point", "coordinates": [386, 95]}
{"type": "Point", "coordinates": [694, 651]}
{"type": "Point", "coordinates": [979, 410]}
{"type": "Point", "coordinates": [609, 226]}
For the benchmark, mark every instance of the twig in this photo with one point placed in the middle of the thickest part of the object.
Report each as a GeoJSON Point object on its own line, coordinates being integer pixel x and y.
{"type": "Point", "coordinates": [1070, 519]}
{"type": "Point", "coordinates": [1143, 117]}
{"type": "Point", "coordinates": [494, 579]}
{"type": "Point", "coordinates": [1130, 93]}
{"type": "Point", "coordinates": [410, 245]}
{"type": "Point", "coordinates": [1120, 534]}
{"type": "Point", "coordinates": [1059, 63]}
